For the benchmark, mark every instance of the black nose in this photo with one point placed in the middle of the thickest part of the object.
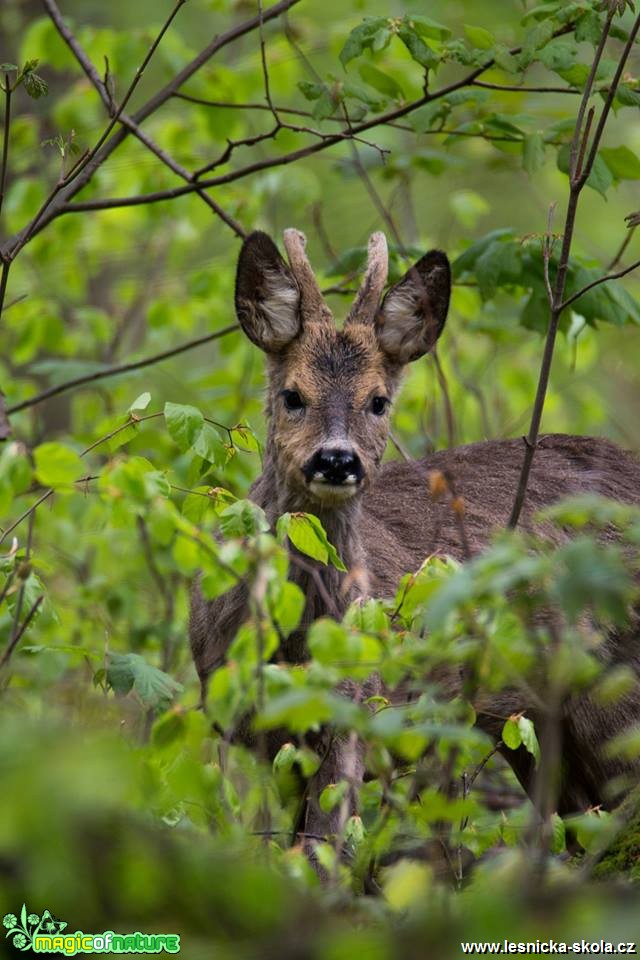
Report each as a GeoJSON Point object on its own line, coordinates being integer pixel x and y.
{"type": "Point", "coordinates": [335, 466]}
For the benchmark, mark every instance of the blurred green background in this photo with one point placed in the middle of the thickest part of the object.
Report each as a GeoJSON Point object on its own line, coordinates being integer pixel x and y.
{"type": "Point", "coordinates": [105, 818]}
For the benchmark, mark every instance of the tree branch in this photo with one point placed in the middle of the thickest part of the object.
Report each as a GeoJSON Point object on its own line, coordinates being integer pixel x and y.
{"type": "Point", "coordinates": [120, 368]}
{"type": "Point", "coordinates": [127, 121]}
{"type": "Point", "coordinates": [85, 161]}
{"type": "Point", "coordinates": [596, 283]}
{"type": "Point", "coordinates": [15, 639]}
{"type": "Point", "coordinates": [578, 175]}
{"type": "Point", "coordinates": [5, 133]}
{"type": "Point", "coordinates": [157, 100]}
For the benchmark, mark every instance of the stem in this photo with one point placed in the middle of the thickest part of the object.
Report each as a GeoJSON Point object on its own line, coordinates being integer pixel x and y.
{"type": "Point", "coordinates": [5, 141]}
{"type": "Point", "coordinates": [4, 276]}
{"type": "Point", "coordinates": [578, 175]}
{"type": "Point", "coordinates": [596, 283]}
{"type": "Point", "coordinates": [15, 639]}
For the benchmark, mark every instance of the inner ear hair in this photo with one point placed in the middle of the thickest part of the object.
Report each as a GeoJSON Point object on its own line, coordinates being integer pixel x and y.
{"type": "Point", "coordinates": [414, 311]}
{"type": "Point", "coordinates": [267, 295]}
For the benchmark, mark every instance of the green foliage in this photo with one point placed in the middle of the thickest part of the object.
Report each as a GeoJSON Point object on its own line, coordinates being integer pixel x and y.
{"type": "Point", "coordinates": [122, 803]}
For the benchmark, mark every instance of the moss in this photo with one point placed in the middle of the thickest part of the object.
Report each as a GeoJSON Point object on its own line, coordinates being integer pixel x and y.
{"type": "Point", "coordinates": [622, 858]}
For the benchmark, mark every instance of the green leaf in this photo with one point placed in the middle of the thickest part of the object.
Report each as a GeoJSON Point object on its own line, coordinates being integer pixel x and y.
{"type": "Point", "coordinates": [499, 261]}
{"type": "Point", "coordinates": [505, 59]}
{"type": "Point", "coordinates": [311, 91]}
{"type": "Point", "coordinates": [627, 95]}
{"type": "Point", "coordinates": [306, 533]}
{"type": "Point", "coordinates": [589, 28]}
{"type": "Point", "coordinates": [208, 444]}
{"type": "Point", "coordinates": [511, 735]}
{"type": "Point", "coordinates": [533, 153]}
{"type": "Point", "coordinates": [288, 607]}
{"type": "Point", "coordinates": [427, 27]}
{"type": "Point", "coordinates": [528, 737]}
{"type": "Point", "coordinates": [622, 162]}
{"type": "Point", "coordinates": [479, 37]}
{"type": "Point", "coordinates": [416, 46]}
{"type": "Point", "coordinates": [184, 423]}
{"type": "Point", "coordinates": [243, 519]}
{"type": "Point", "coordinates": [381, 82]}
{"type": "Point", "coordinates": [558, 834]}
{"type": "Point", "coordinates": [374, 33]}
{"type": "Point", "coordinates": [35, 86]}
{"type": "Point", "coordinates": [536, 39]}
{"type": "Point", "coordinates": [57, 465]}
{"type": "Point", "coordinates": [559, 54]}
{"type": "Point", "coordinates": [364, 94]}
{"type": "Point", "coordinates": [129, 671]}
{"type": "Point", "coordinates": [141, 402]}
{"type": "Point", "coordinates": [333, 795]}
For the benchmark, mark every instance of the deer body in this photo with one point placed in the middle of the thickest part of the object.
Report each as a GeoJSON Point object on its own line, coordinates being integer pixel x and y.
{"type": "Point", "coordinates": [327, 407]}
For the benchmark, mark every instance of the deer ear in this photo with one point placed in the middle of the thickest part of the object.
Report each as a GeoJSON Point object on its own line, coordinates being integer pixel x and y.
{"type": "Point", "coordinates": [413, 313]}
{"type": "Point", "coordinates": [267, 296]}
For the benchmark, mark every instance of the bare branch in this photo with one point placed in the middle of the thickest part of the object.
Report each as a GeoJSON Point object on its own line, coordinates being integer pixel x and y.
{"type": "Point", "coordinates": [128, 121]}
{"type": "Point", "coordinates": [505, 88]}
{"type": "Point", "coordinates": [596, 283]}
{"type": "Point", "coordinates": [578, 175]}
{"type": "Point", "coordinates": [120, 368]}
{"type": "Point", "coordinates": [617, 257]}
{"type": "Point", "coordinates": [15, 639]}
{"type": "Point", "coordinates": [5, 134]}
{"type": "Point", "coordinates": [86, 159]}
{"type": "Point", "coordinates": [157, 100]}
{"type": "Point", "coordinates": [547, 249]}
{"type": "Point", "coordinates": [4, 278]}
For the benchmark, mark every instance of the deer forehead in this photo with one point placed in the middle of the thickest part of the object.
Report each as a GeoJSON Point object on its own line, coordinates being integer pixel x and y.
{"type": "Point", "coordinates": [325, 361]}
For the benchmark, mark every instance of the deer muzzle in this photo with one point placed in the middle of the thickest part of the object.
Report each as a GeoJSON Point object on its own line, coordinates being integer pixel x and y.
{"type": "Point", "coordinates": [334, 471]}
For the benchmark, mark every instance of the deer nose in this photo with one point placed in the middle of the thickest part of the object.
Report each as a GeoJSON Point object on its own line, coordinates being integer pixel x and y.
{"type": "Point", "coordinates": [335, 466]}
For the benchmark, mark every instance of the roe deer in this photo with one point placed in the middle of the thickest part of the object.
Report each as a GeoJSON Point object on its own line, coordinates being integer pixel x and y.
{"type": "Point", "coordinates": [327, 407]}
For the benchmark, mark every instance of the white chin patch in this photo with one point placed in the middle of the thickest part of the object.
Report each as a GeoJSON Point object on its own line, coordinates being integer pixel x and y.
{"type": "Point", "coordinates": [333, 492]}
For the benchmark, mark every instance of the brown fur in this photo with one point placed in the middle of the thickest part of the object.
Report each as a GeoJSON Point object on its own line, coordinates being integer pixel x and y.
{"type": "Point", "coordinates": [391, 523]}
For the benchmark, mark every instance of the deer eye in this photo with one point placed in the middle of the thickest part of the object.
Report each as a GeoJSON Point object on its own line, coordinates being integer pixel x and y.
{"type": "Point", "coordinates": [379, 405]}
{"type": "Point", "coordinates": [293, 400]}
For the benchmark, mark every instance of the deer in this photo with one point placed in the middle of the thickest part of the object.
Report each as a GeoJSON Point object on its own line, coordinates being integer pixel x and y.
{"type": "Point", "coordinates": [328, 404]}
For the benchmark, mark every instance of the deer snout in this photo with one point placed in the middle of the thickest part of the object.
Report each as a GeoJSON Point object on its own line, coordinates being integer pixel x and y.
{"type": "Point", "coordinates": [334, 466]}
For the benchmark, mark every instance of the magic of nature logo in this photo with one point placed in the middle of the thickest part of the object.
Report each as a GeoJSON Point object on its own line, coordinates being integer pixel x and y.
{"type": "Point", "coordinates": [43, 933]}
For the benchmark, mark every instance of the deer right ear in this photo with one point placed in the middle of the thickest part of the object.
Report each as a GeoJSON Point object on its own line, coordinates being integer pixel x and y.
{"type": "Point", "coordinates": [413, 313]}
{"type": "Point", "coordinates": [267, 296]}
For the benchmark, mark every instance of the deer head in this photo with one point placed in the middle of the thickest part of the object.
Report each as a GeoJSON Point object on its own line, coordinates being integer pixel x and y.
{"type": "Point", "coordinates": [330, 390]}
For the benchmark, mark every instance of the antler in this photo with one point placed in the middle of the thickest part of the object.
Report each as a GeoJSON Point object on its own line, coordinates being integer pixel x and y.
{"type": "Point", "coordinates": [312, 302]}
{"type": "Point", "coordinates": [367, 300]}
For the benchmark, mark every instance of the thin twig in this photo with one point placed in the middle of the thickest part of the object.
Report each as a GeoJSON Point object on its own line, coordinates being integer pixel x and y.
{"type": "Point", "coordinates": [578, 176]}
{"type": "Point", "coordinates": [120, 368]}
{"type": "Point", "coordinates": [15, 639]}
{"type": "Point", "coordinates": [506, 88]}
{"type": "Point", "coordinates": [87, 158]}
{"type": "Point", "coordinates": [446, 399]}
{"type": "Point", "coordinates": [596, 283]}
{"type": "Point", "coordinates": [91, 72]}
{"type": "Point", "coordinates": [284, 159]}
{"type": "Point", "coordinates": [4, 277]}
{"type": "Point", "coordinates": [5, 142]}
{"type": "Point", "coordinates": [57, 206]}
{"type": "Point", "coordinates": [315, 574]}
{"type": "Point", "coordinates": [547, 249]}
{"type": "Point", "coordinates": [621, 249]}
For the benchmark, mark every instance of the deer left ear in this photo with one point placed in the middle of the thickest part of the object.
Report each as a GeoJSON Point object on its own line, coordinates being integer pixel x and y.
{"type": "Point", "coordinates": [413, 313]}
